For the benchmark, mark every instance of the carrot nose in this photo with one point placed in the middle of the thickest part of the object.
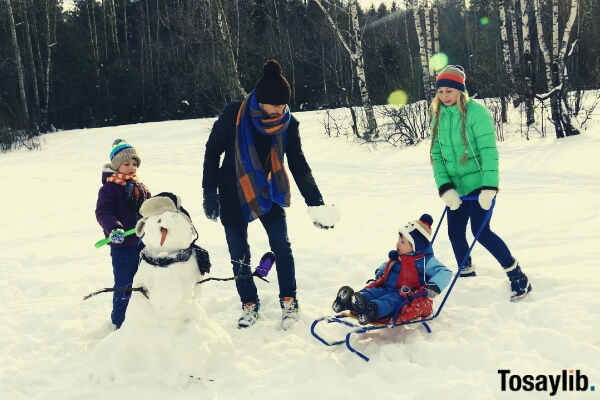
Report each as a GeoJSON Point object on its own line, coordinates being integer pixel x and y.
{"type": "Point", "coordinates": [163, 232]}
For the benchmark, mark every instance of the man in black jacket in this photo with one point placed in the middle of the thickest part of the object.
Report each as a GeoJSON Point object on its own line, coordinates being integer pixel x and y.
{"type": "Point", "coordinates": [255, 135]}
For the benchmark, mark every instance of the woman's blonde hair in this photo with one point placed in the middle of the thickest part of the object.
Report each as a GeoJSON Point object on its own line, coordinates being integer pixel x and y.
{"type": "Point", "coordinates": [435, 111]}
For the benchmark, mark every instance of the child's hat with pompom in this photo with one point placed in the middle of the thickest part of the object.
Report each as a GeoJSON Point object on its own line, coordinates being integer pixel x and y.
{"type": "Point", "coordinates": [418, 232]}
{"type": "Point", "coordinates": [121, 152]}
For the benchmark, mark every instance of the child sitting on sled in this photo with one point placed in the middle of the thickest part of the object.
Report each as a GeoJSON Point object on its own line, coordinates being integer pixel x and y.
{"type": "Point", "coordinates": [408, 281]}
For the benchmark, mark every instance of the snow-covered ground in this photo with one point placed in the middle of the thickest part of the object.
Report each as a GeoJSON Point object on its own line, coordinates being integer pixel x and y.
{"type": "Point", "coordinates": [52, 342]}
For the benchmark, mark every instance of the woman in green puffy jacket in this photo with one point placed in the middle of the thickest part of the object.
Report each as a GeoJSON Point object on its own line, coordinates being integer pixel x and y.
{"type": "Point", "coordinates": [465, 163]}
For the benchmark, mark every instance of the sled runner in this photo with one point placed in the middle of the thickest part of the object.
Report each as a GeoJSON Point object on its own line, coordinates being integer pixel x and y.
{"type": "Point", "coordinates": [349, 320]}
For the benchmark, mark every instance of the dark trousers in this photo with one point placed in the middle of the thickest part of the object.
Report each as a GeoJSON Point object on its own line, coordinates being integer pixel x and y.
{"type": "Point", "coordinates": [457, 232]}
{"type": "Point", "coordinates": [125, 264]}
{"type": "Point", "coordinates": [239, 250]}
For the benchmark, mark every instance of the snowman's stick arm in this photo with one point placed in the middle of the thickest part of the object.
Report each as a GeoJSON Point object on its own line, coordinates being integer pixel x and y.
{"type": "Point", "coordinates": [126, 289]}
{"type": "Point", "coordinates": [228, 279]}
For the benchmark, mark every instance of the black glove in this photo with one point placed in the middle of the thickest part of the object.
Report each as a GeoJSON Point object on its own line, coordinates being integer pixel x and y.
{"type": "Point", "coordinates": [432, 289]}
{"type": "Point", "coordinates": [211, 204]}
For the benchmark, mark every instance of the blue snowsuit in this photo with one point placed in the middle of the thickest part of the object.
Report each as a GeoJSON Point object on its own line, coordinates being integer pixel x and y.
{"type": "Point", "coordinates": [387, 297]}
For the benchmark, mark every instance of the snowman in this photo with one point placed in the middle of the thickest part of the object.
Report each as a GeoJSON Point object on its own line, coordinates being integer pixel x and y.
{"type": "Point", "coordinates": [171, 263]}
{"type": "Point", "coordinates": [167, 335]}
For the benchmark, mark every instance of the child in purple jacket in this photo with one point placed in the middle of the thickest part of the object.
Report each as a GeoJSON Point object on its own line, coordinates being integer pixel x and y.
{"type": "Point", "coordinates": [119, 201]}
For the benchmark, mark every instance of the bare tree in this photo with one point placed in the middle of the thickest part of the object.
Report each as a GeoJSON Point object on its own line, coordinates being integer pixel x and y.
{"type": "Point", "coordinates": [32, 61]}
{"type": "Point", "coordinates": [554, 64]}
{"type": "Point", "coordinates": [414, 5]}
{"type": "Point", "coordinates": [355, 51]}
{"type": "Point", "coordinates": [50, 11]}
{"type": "Point", "coordinates": [18, 63]}
{"type": "Point", "coordinates": [526, 10]}
{"type": "Point", "coordinates": [235, 88]}
{"type": "Point", "coordinates": [436, 28]}
{"type": "Point", "coordinates": [429, 43]}
{"type": "Point", "coordinates": [505, 44]}
{"type": "Point", "coordinates": [408, 47]}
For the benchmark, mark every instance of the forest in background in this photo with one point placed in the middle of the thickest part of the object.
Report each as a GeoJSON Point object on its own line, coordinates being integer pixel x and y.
{"type": "Point", "coordinates": [113, 62]}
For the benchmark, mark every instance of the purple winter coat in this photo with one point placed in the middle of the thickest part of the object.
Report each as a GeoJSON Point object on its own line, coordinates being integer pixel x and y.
{"type": "Point", "coordinates": [117, 207]}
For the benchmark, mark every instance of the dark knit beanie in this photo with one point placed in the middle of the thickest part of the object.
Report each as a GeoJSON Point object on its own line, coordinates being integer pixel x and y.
{"type": "Point", "coordinates": [121, 152]}
{"type": "Point", "coordinates": [273, 88]}
{"type": "Point", "coordinates": [453, 76]}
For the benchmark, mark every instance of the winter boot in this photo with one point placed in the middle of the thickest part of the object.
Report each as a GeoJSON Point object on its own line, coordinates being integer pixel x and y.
{"type": "Point", "coordinates": [249, 315]}
{"type": "Point", "coordinates": [289, 312]}
{"type": "Point", "coordinates": [365, 311]}
{"type": "Point", "coordinates": [468, 270]}
{"type": "Point", "coordinates": [519, 284]}
{"type": "Point", "coordinates": [343, 300]}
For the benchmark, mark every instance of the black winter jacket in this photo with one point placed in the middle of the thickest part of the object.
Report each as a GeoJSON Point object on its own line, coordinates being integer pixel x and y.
{"type": "Point", "coordinates": [222, 139]}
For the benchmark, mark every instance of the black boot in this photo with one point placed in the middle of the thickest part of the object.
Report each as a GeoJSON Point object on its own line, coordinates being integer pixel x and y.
{"type": "Point", "coordinates": [343, 299]}
{"type": "Point", "coordinates": [468, 270]}
{"type": "Point", "coordinates": [370, 314]}
{"type": "Point", "coordinates": [519, 283]}
{"type": "Point", "coordinates": [366, 311]}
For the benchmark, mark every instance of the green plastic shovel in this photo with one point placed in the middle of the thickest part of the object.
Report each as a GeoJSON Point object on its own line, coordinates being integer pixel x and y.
{"type": "Point", "coordinates": [104, 241]}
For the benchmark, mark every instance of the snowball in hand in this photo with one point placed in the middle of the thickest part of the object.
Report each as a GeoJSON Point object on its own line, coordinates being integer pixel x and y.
{"type": "Point", "coordinates": [325, 216]}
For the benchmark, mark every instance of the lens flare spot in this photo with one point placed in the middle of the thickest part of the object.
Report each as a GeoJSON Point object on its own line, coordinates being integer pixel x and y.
{"type": "Point", "coordinates": [438, 62]}
{"type": "Point", "coordinates": [398, 98]}
{"type": "Point", "coordinates": [484, 21]}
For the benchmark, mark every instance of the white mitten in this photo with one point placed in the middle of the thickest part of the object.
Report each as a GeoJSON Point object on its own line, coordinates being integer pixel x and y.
{"type": "Point", "coordinates": [485, 198]}
{"type": "Point", "coordinates": [325, 216]}
{"type": "Point", "coordinates": [452, 199]}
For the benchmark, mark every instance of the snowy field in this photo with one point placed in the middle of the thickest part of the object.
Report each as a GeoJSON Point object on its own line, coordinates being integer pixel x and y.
{"type": "Point", "coordinates": [52, 342]}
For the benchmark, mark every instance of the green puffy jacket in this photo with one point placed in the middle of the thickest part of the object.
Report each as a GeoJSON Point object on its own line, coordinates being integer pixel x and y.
{"type": "Point", "coordinates": [480, 169]}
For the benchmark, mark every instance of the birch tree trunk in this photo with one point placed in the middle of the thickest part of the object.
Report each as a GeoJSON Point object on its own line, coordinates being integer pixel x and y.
{"type": "Point", "coordinates": [422, 51]}
{"type": "Point", "coordinates": [113, 25]}
{"type": "Point", "coordinates": [512, 12]}
{"type": "Point", "coordinates": [50, 8]}
{"type": "Point", "coordinates": [291, 55]}
{"type": "Point", "coordinates": [93, 35]}
{"type": "Point", "coordinates": [34, 68]}
{"type": "Point", "coordinates": [125, 31]}
{"type": "Point", "coordinates": [517, 61]}
{"type": "Point", "coordinates": [409, 50]}
{"type": "Point", "coordinates": [526, 9]}
{"type": "Point", "coordinates": [505, 45]}
{"type": "Point", "coordinates": [428, 43]}
{"type": "Point", "coordinates": [358, 63]}
{"type": "Point", "coordinates": [18, 63]}
{"type": "Point", "coordinates": [436, 28]}
{"type": "Point", "coordinates": [104, 30]}
{"type": "Point", "coordinates": [553, 63]}
{"type": "Point", "coordinates": [235, 89]}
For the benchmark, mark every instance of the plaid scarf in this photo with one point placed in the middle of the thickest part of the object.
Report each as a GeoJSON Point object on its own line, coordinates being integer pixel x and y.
{"type": "Point", "coordinates": [258, 190]}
